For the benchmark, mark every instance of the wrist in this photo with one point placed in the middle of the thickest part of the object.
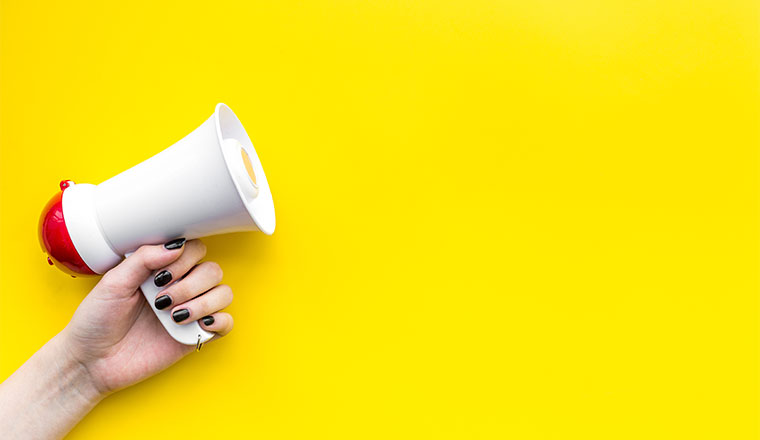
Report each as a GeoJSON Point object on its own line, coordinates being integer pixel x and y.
{"type": "Point", "coordinates": [47, 395]}
{"type": "Point", "coordinates": [74, 377]}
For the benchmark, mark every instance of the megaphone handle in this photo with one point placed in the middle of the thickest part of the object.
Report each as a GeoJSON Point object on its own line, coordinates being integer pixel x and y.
{"type": "Point", "coordinates": [188, 334]}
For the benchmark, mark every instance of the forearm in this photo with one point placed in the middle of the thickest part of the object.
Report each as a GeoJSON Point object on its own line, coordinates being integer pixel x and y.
{"type": "Point", "coordinates": [47, 396]}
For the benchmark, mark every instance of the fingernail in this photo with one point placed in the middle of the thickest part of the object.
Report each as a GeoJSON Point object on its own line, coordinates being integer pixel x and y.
{"type": "Point", "coordinates": [208, 320]}
{"type": "Point", "coordinates": [162, 278]}
{"type": "Point", "coordinates": [175, 244]}
{"type": "Point", "coordinates": [180, 315]}
{"type": "Point", "coordinates": [163, 302]}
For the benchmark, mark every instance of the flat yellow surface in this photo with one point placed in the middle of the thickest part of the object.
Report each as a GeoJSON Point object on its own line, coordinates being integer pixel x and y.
{"type": "Point", "coordinates": [496, 219]}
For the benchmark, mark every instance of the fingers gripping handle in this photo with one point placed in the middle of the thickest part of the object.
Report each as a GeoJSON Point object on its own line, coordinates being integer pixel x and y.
{"type": "Point", "coordinates": [188, 334]}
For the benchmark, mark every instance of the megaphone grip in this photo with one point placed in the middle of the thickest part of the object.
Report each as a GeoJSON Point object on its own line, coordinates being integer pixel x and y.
{"type": "Point", "coordinates": [188, 334]}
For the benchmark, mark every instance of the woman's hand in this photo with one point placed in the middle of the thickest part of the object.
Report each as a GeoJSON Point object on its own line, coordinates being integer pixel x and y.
{"type": "Point", "coordinates": [115, 334]}
{"type": "Point", "coordinates": [114, 340]}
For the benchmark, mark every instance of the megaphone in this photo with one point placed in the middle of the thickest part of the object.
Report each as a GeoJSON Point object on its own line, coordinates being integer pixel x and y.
{"type": "Point", "coordinates": [210, 182]}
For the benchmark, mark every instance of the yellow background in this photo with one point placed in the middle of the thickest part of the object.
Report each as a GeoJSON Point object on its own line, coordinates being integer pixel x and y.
{"type": "Point", "coordinates": [496, 219]}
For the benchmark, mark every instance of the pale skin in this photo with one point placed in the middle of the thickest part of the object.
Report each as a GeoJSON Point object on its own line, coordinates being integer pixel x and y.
{"type": "Point", "coordinates": [114, 340]}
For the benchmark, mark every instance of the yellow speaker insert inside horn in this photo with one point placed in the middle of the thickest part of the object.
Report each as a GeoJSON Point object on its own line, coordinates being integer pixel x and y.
{"type": "Point", "coordinates": [248, 166]}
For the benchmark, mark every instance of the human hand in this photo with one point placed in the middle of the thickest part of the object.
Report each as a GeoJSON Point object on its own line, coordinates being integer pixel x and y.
{"type": "Point", "coordinates": [114, 333]}
{"type": "Point", "coordinates": [114, 340]}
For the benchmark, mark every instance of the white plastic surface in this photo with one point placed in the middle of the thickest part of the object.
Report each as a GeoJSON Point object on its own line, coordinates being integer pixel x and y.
{"type": "Point", "coordinates": [195, 188]}
{"type": "Point", "coordinates": [187, 190]}
{"type": "Point", "coordinates": [84, 229]}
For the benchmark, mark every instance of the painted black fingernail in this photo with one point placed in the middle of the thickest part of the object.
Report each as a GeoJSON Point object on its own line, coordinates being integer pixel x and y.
{"type": "Point", "coordinates": [163, 278]}
{"type": "Point", "coordinates": [175, 244]}
{"type": "Point", "coordinates": [163, 302]}
{"type": "Point", "coordinates": [208, 320]}
{"type": "Point", "coordinates": [180, 315]}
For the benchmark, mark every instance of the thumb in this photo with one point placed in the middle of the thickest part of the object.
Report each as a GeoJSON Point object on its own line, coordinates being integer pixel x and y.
{"type": "Point", "coordinates": [124, 279]}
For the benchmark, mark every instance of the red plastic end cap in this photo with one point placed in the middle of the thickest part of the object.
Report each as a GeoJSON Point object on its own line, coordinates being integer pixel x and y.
{"type": "Point", "coordinates": [55, 239]}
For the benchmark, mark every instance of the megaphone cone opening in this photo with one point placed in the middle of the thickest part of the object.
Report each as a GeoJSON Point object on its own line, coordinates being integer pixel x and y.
{"type": "Point", "coordinates": [254, 189]}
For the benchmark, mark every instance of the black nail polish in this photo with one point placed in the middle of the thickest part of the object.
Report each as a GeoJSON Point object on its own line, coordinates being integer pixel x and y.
{"type": "Point", "coordinates": [175, 244]}
{"type": "Point", "coordinates": [163, 278]}
{"type": "Point", "coordinates": [180, 315]}
{"type": "Point", "coordinates": [208, 320]}
{"type": "Point", "coordinates": [163, 302]}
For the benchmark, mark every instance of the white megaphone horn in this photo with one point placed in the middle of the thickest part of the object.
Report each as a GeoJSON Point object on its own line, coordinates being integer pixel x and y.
{"type": "Point", "coordinates": [210, 182]}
